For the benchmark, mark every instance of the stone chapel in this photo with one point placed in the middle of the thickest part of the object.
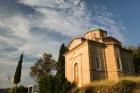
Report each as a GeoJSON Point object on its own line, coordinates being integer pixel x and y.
{"type": "Point", "coordinates": [97, 56]}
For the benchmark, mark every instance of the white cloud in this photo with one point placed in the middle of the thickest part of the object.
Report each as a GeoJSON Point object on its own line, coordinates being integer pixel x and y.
{"type": "Point", "coordinates": [18, 25]}
{"type": "Point", "coordinates": [8, 70]}
{"type": "Point", "coordinates": [114, 29]}
{"type": "Point", "coordinates": [66, 17]}
{"type": "Point", "coordinates": [49, 3]}
{"type": "Point", "coordinates": [72, 18]}
{"type": "Point", "coordinates": [69, 18]}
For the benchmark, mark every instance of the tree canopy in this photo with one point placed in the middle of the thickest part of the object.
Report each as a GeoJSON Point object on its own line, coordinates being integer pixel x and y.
{"type": "Point", "coordinates": [54, 84]}
{"type": "Point", "coordinates": [43, 66]}
{"type": "Point", "coordinates": [47, 82]}
{"type": "Point", "coordinates": [136, 59]}
{"type": "Point", "coordinates": [18, 70]}
{"type": "Point", "coordinates": [61, 62]}
{"type": "Point", "coordinates": [20, 89]}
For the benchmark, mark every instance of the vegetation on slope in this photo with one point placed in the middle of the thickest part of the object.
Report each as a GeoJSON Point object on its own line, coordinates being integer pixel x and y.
{"type": "Point", "coordinates": [124, 85]}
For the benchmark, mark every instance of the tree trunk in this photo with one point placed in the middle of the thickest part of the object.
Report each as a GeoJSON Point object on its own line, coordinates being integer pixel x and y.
{"type": "Point", "coordinates": [15, 88]}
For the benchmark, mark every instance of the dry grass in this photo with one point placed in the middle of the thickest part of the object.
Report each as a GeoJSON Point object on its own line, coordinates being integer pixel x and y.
{"type": "Point", "coordinates": [123, 85]}
{"type": "Point", "coordinates": [134, 79]}
{"type": "Point", "coordinates": [136, 91]}
{"type": "Point", "coordinates": [113, 82]}
{"type": "Point", "coordinates": [102, 82]}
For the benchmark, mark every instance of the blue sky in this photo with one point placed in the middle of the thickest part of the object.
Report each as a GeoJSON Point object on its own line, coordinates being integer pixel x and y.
{"type": "Point", "coordinates": [38, 26]}
{"type": "Point", "coordinates": [128, 12]}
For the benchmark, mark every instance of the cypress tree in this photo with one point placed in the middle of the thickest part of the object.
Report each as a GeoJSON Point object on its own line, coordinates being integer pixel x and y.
{"type": "Point", "coordinates": [61, 62]}
{"type": "Point", "coordinates": [18, 71]}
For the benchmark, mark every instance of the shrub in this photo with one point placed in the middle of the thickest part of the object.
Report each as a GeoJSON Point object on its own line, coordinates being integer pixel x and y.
{"type": "Point", "coordinates": [20, 89]}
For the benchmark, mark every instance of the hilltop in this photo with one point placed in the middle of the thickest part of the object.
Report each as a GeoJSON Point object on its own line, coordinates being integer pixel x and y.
{"type": "Point", "coordinates": [124, 85]}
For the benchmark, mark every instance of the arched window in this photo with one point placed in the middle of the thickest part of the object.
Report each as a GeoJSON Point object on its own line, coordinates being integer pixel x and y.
{"type": "Point", "coordinates": [76, 73]}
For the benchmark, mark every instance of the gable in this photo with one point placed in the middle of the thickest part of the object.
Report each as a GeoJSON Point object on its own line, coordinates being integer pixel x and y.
{"type": "Point", "coordinates": [75, 42]}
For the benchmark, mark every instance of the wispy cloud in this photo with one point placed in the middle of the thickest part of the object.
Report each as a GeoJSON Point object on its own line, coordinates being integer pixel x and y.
{"type": "Point", "coordinates": [37, 26]}
{"type": "Point", "coordinates": [7, 73]}
{"type": "Point", "coordinates": [67, 17]}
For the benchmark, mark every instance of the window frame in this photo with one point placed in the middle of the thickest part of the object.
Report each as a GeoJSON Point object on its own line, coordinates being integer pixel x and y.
{"type": "Point", "coordinates": [76, 74]}
{"type": "Point", "coordinates": [128, 67]}
{"type": "Point", "coordinates": [99, 62]}
{"type": "Point", "coordinates": [119, 63]}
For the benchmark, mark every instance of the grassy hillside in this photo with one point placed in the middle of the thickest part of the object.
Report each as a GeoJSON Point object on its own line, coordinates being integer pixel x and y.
{"type": "Point", "coordinates": [124, 85]}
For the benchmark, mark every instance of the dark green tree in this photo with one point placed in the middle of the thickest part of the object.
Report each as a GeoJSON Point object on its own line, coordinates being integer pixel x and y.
{"type": "Point", "coordinates": [20, 89]}
{"type": "Point", "coordinates": [136, 59]}
{"type": "Point", "coordinates": [47, 82]}
{"type": "Point", "coordinates": [17, 76]}
{"type": "Point", "coordinates": [53, 84]}
{"type": "Point", "coordinates": [43, 66]}
{"type": "Point", "coordinates": [61, 62]}
{"type": "Point", "coordinates": [62, 84]}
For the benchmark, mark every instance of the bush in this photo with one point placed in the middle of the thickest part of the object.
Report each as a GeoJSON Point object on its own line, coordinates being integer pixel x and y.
{"type": "Point", "coordinates": [20, 89]}
{"type": "Point", "coordinates": [54, 84]}
{"type": "Point", "coordinates": [127, 83]}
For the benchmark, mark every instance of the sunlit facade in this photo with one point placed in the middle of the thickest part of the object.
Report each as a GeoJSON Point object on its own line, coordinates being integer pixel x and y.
{"type": "Point", "coordinates": [96, 56]}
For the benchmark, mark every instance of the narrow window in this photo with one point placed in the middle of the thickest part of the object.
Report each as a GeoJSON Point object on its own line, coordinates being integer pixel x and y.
{"type": "Point", "coordinates": [127, 67]}
{"type": "Point", "coordinates": [95, 35]}
{"type": "Point", "coordinates": [98, 63]}
{"type": "Point", "coordinates": [119, 64]}
{"type": "Point", "coordinates": [76, 73]}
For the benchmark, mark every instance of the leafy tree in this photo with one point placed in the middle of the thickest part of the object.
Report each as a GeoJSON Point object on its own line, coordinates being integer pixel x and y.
{"type": "Point", "coordinates": [20, 89]}
{"type": "Point", "coordinates": [18, 71]}
{"type": "Point", "coordinates": [62, 84]}
{"type": "Point", "coordinates": [53, 84]}
{"type": "Point", "coordinates": [46, 84]}
{"type": "Point", "coordinates": [43, 66]}
{"type": "Point", "coordinates": [136, 59]}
